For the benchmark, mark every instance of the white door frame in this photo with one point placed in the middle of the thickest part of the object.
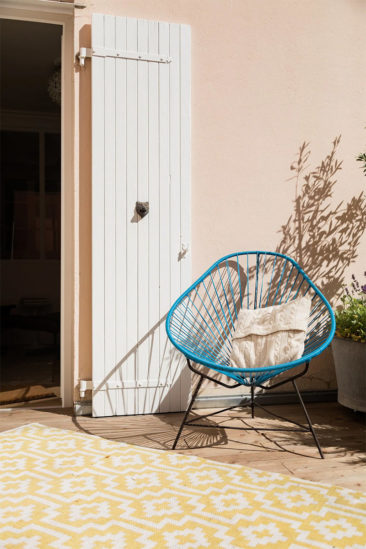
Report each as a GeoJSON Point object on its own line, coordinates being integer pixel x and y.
{"type": "Point", "coordinates": [60, 14]}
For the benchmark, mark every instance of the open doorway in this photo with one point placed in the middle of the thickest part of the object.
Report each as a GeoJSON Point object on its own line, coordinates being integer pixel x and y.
{"type": "Point", "coordinates": [30, 209]}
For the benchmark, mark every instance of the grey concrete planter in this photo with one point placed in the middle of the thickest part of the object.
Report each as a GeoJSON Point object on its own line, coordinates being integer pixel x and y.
{"type": "Point", "coordinates": [350, 366]}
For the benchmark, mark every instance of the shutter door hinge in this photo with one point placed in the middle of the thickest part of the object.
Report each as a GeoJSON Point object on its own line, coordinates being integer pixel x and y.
{"type": "Point", "coordinates": [90, 385]}
{"type": "Point", "coordinates": [121, 54]}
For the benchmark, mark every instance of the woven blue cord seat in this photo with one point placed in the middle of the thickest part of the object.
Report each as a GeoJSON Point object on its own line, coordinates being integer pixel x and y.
{"type": "Point", "coordinates": [202, 320]}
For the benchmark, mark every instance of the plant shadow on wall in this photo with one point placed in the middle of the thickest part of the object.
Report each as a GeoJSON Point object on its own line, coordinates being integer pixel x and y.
{"type": "Point", "coordinates": [323, 238]}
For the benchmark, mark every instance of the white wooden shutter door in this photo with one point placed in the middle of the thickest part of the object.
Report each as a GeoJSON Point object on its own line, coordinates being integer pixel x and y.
{"type": "Point", "coordinates": [141, 152]}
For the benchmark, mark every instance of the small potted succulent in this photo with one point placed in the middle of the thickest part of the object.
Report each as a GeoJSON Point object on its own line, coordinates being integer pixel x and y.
{"type": "Point", "coordinates": [349, 347]}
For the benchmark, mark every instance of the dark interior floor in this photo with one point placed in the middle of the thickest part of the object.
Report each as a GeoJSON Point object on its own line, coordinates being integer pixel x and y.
{"type": "Point", "coordinates": [28, 373]}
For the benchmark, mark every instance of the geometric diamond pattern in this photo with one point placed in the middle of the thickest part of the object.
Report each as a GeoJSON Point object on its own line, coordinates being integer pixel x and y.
{"type": "Point", "coordinates": [62, 490]}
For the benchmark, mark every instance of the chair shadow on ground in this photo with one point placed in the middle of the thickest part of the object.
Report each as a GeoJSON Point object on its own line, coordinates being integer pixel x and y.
{"type": "Point", "coordinates": [344, 435]}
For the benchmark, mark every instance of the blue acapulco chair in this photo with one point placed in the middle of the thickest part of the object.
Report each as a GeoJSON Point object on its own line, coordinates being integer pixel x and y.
{"type": "Point", "coordinates": [202, 320]}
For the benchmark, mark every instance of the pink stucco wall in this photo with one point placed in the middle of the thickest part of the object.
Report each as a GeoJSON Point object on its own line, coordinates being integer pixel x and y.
{"type": "Point", "coordinates": [266, 77]}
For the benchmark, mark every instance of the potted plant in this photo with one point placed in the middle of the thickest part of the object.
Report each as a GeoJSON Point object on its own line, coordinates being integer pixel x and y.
{"type": "Point", "coordinates": [349, 347]}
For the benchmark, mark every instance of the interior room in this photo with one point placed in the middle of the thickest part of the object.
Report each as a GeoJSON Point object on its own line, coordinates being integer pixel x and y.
{"type": "Point", "coordinates": [30, 211]}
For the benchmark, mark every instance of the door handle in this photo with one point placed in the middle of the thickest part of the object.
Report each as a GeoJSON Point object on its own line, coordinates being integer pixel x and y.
{"type": "Point", "coordinates": [142, 208]}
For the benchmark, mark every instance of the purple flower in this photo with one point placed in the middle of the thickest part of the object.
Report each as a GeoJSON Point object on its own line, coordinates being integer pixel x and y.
{"type": "Point", "coordinates": [363, 288]}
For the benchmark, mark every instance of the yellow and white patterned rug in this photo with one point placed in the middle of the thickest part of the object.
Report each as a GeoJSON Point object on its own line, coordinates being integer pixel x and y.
{"type": "Point", "coordinates": [63, 489]}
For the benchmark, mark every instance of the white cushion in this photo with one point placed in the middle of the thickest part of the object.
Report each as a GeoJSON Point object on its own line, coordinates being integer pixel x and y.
{"type": "Point", "coordinates": [271, 335]}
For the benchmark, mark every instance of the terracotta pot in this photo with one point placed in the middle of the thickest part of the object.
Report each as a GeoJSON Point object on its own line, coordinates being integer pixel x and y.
{"type": "Point", "coordinates": [350, 366]}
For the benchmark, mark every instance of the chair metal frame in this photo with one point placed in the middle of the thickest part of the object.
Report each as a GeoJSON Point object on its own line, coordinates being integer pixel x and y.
{"type": "Point", "coordinates": [203, 333]}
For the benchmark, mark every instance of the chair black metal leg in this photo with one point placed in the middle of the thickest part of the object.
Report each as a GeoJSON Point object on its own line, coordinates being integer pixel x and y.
{"type": "Point", "coordinates": [308, 419]}
{"type": "Point", "coordinates": [187, 412]}
{"type": "Point", "coordinates": [252, 399]}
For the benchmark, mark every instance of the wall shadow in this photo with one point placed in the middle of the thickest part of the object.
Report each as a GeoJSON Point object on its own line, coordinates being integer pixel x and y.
{"type": "Point", "coordinates": [323, 238]}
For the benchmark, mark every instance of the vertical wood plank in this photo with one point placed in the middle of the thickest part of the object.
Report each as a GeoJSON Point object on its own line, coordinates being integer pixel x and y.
{"type": "Point", "coordinates": [164, 222]}
{"type": "Point", "coordinates": [98, 78]}
{"type": "Point", "coordinates": [110, 216]}
{"type": "Point", "coordinates": [153, 218]}
{"type": "Point", "coordinates": [131, 196]}
{"type": "Point", "coordinates": [143, 401]}
{"type": "Point", "coordinates": [122, 396]}
{"type": "Point", "coordinates": [175, 166]}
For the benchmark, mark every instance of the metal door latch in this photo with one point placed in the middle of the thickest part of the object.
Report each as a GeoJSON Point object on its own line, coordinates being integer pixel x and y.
{"type": "Point", "coordinates": [183, 251]}
{"type": "Point", "coordinates": [142, 208]}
